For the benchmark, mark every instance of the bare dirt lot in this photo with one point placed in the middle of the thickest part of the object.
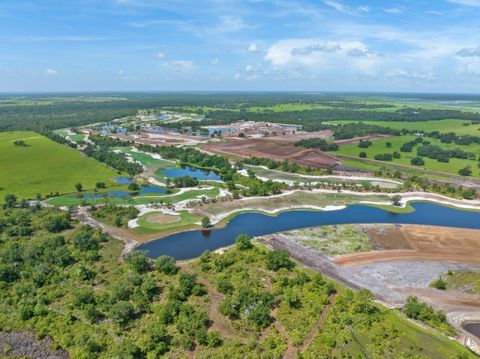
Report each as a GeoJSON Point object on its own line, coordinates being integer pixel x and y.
{"type": "Point", "coordinates": [163, 218]}
{"type": "Point", "coordinates": [418, 242]}
{"type": "Point", "coordinates": [274, 149]}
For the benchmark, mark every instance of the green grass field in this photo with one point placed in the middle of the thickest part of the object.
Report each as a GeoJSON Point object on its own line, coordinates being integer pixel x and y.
{"type": "Point", "coordinates": [45, 166]}
{"type": "Point", "coordinates": [145, 226]}
{"type": "Point", "coordinates": [380, 146]}
{"type": "Point", "coordinates": [464, 281]}
{"type": "Point", "coordinates": [456, 126]}
{"type": "Point", "coordinates": [76, 200]}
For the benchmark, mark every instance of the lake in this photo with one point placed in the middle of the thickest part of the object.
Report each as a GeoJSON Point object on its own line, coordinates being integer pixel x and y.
{"type": "Point", "coordinates": [191, 244]}
{"type": "Point", "coordinates": [152, 189]}
{"type": "Point", "coordinates": [123, 180]}
{"type": "Point", "coordinates": [190, 171]}
{"type": "Point", "coordinates": [473, 328]}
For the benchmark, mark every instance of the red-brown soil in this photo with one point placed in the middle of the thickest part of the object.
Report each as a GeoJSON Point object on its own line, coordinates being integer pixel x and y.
{"type": "Point", "coordinates": [272, 149]}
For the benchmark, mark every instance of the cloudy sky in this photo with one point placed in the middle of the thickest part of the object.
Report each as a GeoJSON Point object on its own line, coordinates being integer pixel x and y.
{"type": "Point", "coordinates": [307, 45]}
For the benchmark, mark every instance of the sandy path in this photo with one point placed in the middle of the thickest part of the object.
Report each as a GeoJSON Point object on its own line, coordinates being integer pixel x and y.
{"type": "Point", "coordinates": [321, 320]}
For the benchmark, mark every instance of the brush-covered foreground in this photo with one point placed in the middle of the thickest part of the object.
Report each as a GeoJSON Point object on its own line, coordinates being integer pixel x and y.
{"type": "Point", "coordinates": [66, 281]}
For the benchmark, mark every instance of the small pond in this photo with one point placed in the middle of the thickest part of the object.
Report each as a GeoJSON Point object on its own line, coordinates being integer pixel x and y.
{"type": "Point", "coordinates": [123, 180]}
{"type": "Point", "coordinates": [191, 171]}
{"type": "Point", "coordinates": [473, 328]}
{"type": "Point", "coordinates": [191, 244]}
{"type": "Point", "coordinates": [152, 189]}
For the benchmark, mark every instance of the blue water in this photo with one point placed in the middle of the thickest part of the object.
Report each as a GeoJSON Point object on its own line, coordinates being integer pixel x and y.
{"type": "Point", "coordinates": [123, 180]}
{"type": "Point", "coordinates": [91, 195]}
{"type": "Point", "coordinates": [191, 244]}
{"type": "Point", "coordinates": [190, 171]}
{"type": "Point", "coordinates": [118, 194]}
{"type": "Point", "coordinates": [152, 189]}
{"type": "Point", "coordinates": [109, 193]}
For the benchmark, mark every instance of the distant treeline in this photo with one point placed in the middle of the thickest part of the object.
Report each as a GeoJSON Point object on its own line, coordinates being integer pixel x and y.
{"type": "Point", "coordinates": [50, 115]}
{"type": "Point", "coordinates": [319, 143]}
{"type": "Point", "coordinates": [313, 120]}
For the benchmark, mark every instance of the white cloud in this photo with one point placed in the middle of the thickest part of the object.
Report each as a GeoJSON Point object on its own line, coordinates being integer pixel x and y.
{"type": "Point", "coordinates": [410, 75]}
{"type": "Point", "coordinates": [469, 52]}
{"type": "Point", "coordinates": [184, 65]}
{"type": "Point", "coordinates": [252, 47]}
{"type": "Point", "coordinates": [328, 46]}
{"type": "Point", "coordinates": [313, 52]}
{"type": "Point", "coordinates": [393, 10]}
{"type": "Point", "coordinates": [340, 7]}
{"type": "Point", "coordinates": [237, 76]}
{"type": "Point", "coordinates": [465, 2]}
{"type": "Point", "coordinates": [160, 55]}
{"type": "Point", "coordinates": [214, 61]}
{"type": "Point", "coordinates": [50, 72]}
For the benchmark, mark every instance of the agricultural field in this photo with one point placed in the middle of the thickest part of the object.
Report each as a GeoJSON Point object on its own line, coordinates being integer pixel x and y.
{"type": "Point", "coordinates": [43, 166]}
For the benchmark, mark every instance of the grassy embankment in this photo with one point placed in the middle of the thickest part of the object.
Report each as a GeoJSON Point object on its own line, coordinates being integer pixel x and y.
{"type": "Point", "coordinates": [44, 167]}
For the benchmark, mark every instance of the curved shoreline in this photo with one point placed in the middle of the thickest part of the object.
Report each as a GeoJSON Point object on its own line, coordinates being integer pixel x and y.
{"type": "Point", "coordinates": [407, 199]}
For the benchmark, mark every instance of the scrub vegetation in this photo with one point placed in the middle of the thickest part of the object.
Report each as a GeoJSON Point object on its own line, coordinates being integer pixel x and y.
{"type": "Point", "coordinates": [67, 282]}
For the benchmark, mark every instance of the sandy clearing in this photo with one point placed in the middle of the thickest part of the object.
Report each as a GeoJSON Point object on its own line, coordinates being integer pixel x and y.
{"type": "Point", "coordinates": [162, 218]}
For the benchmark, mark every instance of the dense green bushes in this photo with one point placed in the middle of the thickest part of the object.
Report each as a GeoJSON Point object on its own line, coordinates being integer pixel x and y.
{"type": "Point", "coordinates": [319, 143]}
{"type": "Point", "coordinates": [425, 313]}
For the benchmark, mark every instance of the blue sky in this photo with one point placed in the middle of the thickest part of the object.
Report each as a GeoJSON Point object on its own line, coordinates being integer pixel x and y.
{"type": "Point", "coordinates": [322, 45]}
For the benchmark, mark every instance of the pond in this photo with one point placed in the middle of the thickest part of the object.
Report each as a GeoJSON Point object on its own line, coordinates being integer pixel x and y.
{"type": "Point", "coordinates": [191, 244]}
{"type": "Point", "coordinates": [473, 328]}
{"type": "Point", "coordinates": [123, 180]}
{"type": "Point", "coordinates": [152, 189]}
{"type": "Point", "coordinates": [109, 193]}
{"type": "Point", "coordinates": [190, 171]}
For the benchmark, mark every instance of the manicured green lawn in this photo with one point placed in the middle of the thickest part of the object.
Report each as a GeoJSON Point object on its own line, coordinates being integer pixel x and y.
{"type": "Point", "coordinates": [45, 166]}
{"type": "Point", "coordinates": [380, 146]}
{"type": "Point", "coordinates": [146, 226]}
{"type": "Point", "coordinates": [76, 200]}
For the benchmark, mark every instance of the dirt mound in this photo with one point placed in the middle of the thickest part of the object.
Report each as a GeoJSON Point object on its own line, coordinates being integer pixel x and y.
{"type": "Point", "coordinates": [404, 242]}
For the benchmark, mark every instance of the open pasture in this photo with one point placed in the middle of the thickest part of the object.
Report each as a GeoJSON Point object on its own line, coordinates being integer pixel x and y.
{"type": "Point", "coordinates": [380, 147]}
{"type": "Point", "coordinates": [44, 166]}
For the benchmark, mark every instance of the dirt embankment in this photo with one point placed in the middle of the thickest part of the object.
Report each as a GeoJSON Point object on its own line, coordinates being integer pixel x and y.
{"type": "Point", "coordinates": [418, 243]}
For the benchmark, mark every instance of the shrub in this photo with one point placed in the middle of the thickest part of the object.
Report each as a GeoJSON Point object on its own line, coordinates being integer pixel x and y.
{"type": "Point", "coordinates": [122, 312]}
{"type": "Point", "coordinates": [243, 242]}
{"type": "Point", "coordinates": [166, 265]}
{"type": "Point", "coordinates": [279, 259]}
{"type": "Point", "coordinates": [138, 261]}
